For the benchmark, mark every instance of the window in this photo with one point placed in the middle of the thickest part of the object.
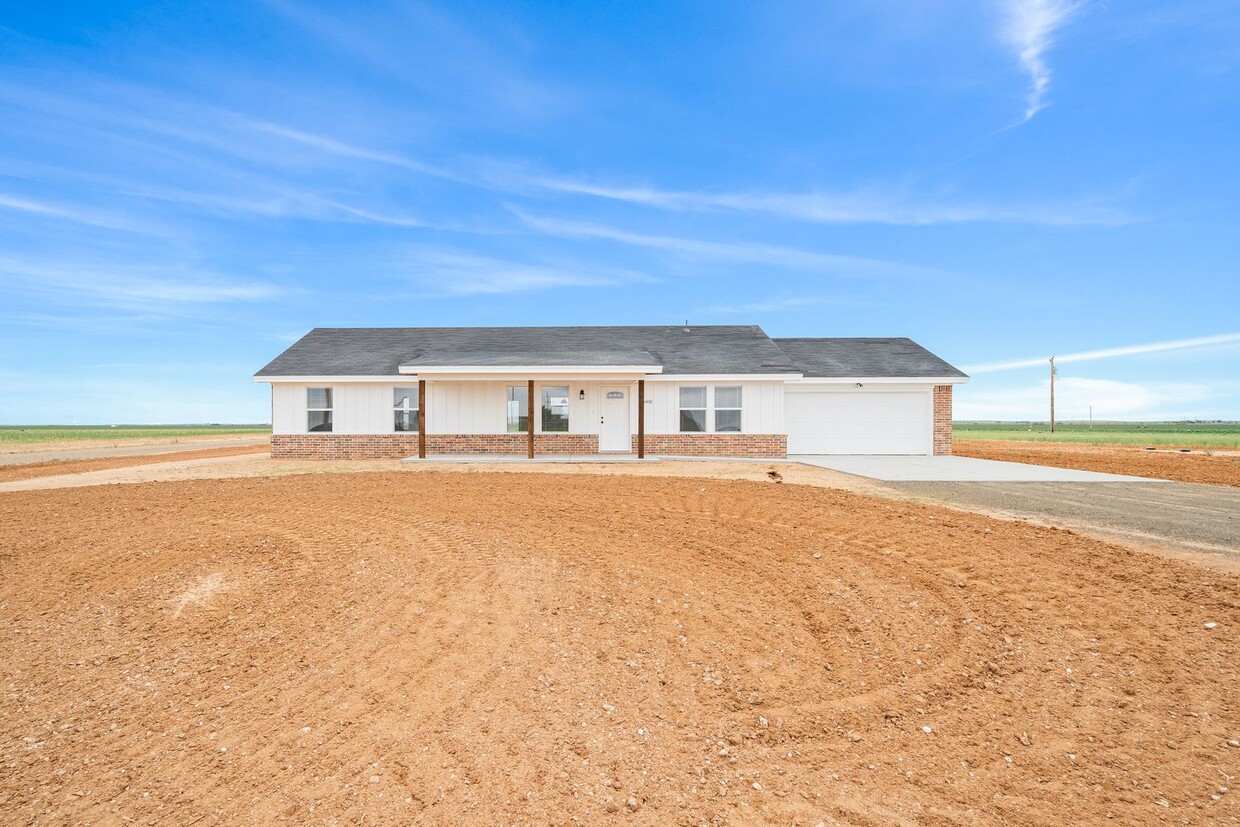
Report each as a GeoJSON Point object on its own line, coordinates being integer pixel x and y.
{"type": "Point", "coordinates": [693, 409]}
{"type": "Point", "coordinates": [555, 409]}
{"type": "Point", "coordinates": [318, 409]}
{"type": "Point", "coordinates": [405, 408]}
{"type": "Point", "coordinates": [518, 409]}
{"type": "Point", "coordinates": [728, 409]}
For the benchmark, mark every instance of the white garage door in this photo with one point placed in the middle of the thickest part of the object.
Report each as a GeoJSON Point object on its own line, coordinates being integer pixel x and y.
{"type": "Point", "coordinates": [859, 422]}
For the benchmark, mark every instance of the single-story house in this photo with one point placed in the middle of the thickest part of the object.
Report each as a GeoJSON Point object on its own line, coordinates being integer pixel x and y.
{"type": "Point", "coordinates": [716, 390]}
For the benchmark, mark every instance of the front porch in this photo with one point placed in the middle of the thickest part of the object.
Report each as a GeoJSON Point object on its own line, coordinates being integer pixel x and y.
{"type": "Point", "coordinates": [593, 415]}
{"type": "Point", "coordinates": [539, 458]}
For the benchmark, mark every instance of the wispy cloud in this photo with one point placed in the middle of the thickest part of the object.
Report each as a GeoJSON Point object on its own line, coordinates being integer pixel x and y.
{"type": "Point", "coordinates": [769, 254]}
{"type": "Point", "coordinates": [860, 207]}
{"type": "Point", "coordinates": [1076, 395]}
{"type": "Point", "coordinates": [777, 304]}
{"type": "Point", "coordinates": [1029, 27]}
{"type": "Point", "coordinates": [77, 214]}
{"type": "Point", "coordinates": [1107, 353]}
{"type": "Point", "coordinates": [130, 286]}
{"type": "Point", "coordinates": [347, 150]}
{"type": "Point", "coordinates": [460, 274]}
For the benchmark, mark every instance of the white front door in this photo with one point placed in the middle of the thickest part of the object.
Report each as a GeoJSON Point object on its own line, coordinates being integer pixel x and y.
{"type": "Point", "coordinates": [613, 429]}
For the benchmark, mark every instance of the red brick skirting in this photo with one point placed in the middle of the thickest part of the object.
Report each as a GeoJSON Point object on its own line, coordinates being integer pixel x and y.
{"type": "Point", "coordinates": [942, 419]}
{"type": "Point", "coordinates": [716, 445]}
{"type": "Point", "coordinates": [398, 446]}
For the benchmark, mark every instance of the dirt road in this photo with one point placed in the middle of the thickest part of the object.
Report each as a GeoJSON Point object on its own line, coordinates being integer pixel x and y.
{"type": "Point", "coordinates": [23, 454]}
{"type": "Point", "coordinates": [55, 468]}
{"type": "Point", "coordinates": [1163, 464]}
{"type": "Point", "coordinates": [484, 648]}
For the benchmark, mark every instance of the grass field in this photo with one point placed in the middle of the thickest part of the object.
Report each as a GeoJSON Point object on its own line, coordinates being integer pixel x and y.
{"type": "Point", "coordinates": [23, 434]}
{"type": "Point", "coordinates": [1181, 434]}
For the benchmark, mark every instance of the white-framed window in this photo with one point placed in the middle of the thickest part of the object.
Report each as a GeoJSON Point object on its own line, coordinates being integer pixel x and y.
{"type": "Point", "coordinates": [692, 409]}
{"type": "Point", "coordinates": [318, 410]}
{"type": "Point", "coordinates": [405, 409]}
{"type": "Point", "coordinates": [555, 409]}
{"type": "Point", "coordinates": [714, 409]}
{"type": "Point", "coordinates": [518, 408]}
{"type": "Point", "coordinates": [728, 409]}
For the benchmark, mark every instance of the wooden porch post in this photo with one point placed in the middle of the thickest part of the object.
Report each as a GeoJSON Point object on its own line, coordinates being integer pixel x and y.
{"type": "Point", "coordinates": [421, 419]}
{"type": "Point", "coordinates": [641, 418]}
{"type": "Point", "coordinates": [530, 424]}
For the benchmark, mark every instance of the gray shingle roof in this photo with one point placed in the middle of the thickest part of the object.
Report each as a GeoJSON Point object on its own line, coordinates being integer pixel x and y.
{"type": "Point", "coordinates": [871, 358]}
{"type": "Point", "coordinates": [380, 351]}
{"type": "Point", "coordinates": [595, 358]}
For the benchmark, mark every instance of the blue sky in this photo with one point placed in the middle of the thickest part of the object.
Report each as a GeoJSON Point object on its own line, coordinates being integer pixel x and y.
{"type": "Point", "coordinates": [187, 188]}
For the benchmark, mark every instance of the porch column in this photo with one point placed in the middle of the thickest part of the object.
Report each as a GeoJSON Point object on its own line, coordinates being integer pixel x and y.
{"type": "Point", "coordinates": [421, 419]}
{"type": "Point", "coordinates": [641, 418]}
{"type": "Point", "coordinates": [530, 423]}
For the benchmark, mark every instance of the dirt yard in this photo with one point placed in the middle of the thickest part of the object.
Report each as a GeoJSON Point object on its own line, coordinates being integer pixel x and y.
{"type": "Point", "coordinates": [1166, 464]}
{"type": "Point", "coordinates": [32, 470]}
{"type": "Point", "coordinates": [525, 648]}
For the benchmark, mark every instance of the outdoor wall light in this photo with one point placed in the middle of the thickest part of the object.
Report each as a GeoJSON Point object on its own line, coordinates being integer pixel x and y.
{"type": "Point", "coordinates": [581, 394]}
{"type": "Point", "coordinates": [859, 384]}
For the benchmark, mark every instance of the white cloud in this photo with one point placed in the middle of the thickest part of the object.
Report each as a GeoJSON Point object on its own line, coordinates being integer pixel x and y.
{"type": "Point", "coordinates": [133, 287]}
{"type": "Point", "coordinates": [772, 305]}
{"type": "Point", "coordinates": [860, 207]}
{"type": "Point", "coordinates": [1107, 353]}
{"type": "Point", "coordinates": [1075, 395]}
{"type": "Point", "coordinates": [335, 147]}
{"type": "Point", "coordinates": [460, 274]}
{"type": "Point", "coordinates": [75, 214]}
{"type": "Point", "coordinates": [1029, 27]}
{"type": "Point", "coordinates": [725, 250]}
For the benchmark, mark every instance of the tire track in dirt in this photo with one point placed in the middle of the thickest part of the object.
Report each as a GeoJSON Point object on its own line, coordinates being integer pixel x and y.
{"type": "Point", "coordinates": [526, 648]}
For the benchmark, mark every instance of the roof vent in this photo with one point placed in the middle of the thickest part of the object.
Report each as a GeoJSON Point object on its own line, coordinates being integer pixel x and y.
{"type": "Point", "coordinates": [686, 325]}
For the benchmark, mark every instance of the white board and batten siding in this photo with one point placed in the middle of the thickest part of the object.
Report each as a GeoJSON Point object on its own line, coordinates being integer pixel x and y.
{"type": "Point", "coordinates": [464, 407]}
{"type": "Point", "coordinates": [358, 407]}
{"type": "Point", "coordinates": [836, 419]}
{"type": "Point", "coordinates": [762, 405]}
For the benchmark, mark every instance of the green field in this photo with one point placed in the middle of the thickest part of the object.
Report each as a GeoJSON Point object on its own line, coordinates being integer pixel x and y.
{"type": "Point", "coordinates": [1180, 434]}
{"type": "Point", "coordinates": [24, 434]}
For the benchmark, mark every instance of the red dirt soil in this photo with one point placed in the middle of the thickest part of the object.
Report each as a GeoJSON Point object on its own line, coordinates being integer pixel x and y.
{"type": "Point", "coordinates": [1110, 459]}
{"type": "Point", "coordinates": [27, 471]}
{"type": "Point", "coordinates": [487, 648]}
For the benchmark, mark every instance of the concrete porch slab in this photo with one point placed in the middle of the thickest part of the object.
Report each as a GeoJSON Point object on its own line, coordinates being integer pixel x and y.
{"type": "Point", "coordinates": [542, 458]}
{"type": "Point", "coordinates": [954, 469]}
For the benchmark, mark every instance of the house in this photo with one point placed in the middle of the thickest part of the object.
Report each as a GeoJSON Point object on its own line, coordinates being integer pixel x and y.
{"type": "Point", "coordinates": [353, 393]}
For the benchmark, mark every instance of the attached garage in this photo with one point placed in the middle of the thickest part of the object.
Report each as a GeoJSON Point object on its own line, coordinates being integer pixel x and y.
{"type": "Point", "coordinates": [859, 421]}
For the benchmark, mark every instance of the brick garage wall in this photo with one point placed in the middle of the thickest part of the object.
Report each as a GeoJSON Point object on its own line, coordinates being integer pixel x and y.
{"type": "Point", "coordinates": [716, 445]}
{"type": "Point", "coordinates": [942, 419]}
{"type": "Point", "coordinates": [398, 446]}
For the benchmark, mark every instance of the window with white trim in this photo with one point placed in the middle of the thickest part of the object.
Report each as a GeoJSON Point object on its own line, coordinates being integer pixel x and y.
{"type": "Point", "coordinates": [692, 409]}
{"type": "Point", "coordinates": [318, 410]}
{"type": "Point", "coordinates": [728, 409]}
{"type": "Point", "coordinates": [405, 409]}
{"type": "Point", "coordinates": [517, 406]}
{"type": "Point", "coordinates": [555, 409]}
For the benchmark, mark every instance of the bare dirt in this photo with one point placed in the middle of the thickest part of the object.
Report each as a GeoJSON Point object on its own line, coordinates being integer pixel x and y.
{"type": "Point", "coordinates": [32, 470]}
{"type": "Point", "coordinates": [533, 648]}
{"type": "Point", "coordinates": [133, 444]}
{"type": "Point", "coordinates": [1135, 461]}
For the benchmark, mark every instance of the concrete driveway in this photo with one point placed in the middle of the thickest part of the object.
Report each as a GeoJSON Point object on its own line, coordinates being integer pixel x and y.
{"type": "Point", "coordinates": [954, 469]}
{"type": "Point", "coordinates": [1177, 515]}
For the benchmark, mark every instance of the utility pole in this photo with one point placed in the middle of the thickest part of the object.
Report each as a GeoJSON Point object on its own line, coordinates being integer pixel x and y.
{"type": "Point", "coordinates": [1052, 394]}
